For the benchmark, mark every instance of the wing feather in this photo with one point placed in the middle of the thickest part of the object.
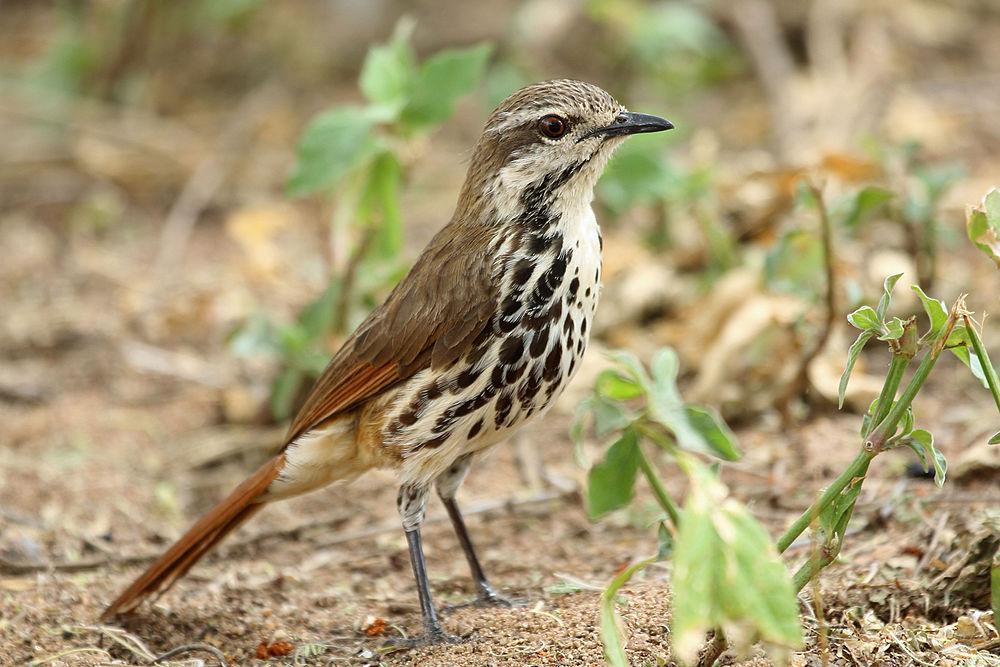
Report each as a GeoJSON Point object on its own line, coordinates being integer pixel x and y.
{"type": "Point", "coordinates": [431, 318]}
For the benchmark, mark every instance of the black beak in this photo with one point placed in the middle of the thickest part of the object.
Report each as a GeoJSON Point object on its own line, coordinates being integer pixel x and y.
{"type": "Point", "coordinates": [629, 122]}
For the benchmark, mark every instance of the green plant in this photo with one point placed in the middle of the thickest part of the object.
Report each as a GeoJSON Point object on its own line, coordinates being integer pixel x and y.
{"type": "Point", "coordinates": [356, 156]}
{"type": "Point", "coordinates": [727, 574]}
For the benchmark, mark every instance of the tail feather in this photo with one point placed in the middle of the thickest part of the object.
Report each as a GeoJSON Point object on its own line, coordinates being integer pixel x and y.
{"type": "Point", "coordinates": [221, 520]}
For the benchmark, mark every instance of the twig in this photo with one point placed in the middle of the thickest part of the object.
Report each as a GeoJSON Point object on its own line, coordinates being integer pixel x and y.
{"type": "Point", "coordinates": [801, 378]}
{"type": "Point", "coordinates": [188, 648]}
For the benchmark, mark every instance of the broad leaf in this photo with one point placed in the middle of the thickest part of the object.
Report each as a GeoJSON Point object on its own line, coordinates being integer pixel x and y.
{"type": "Point", "coordinates": [893, 329]}
{"type": "Point", "coordinates": [995, 440]}
{"type": "Point", "coordinates": [866, 319]}
{"type": "Point", "coordinates": [611, 482]}
{"type": "Point", "coordinates": [442, 79]}
{"type": "Point", "coordinates": [666, 405]}
{"type": "Point", "coordinates": [613, 385]}
{"type": "Point", "coordinates": [852, 358]}
{"type": "Point", "coordinates": [389, 71]}
{"type": "Point", "coordinates": [727, 573]}
{"type": "Point", "coordinates": [922, 442]}
{"type": "Point", "coordinates": [983, 225]}
{"type": "Point", "coordinates": [333, 144]}
{"type": "Point", "coordinates": [937, 311]}
{"type": "Point", "coordinates": [379, 205]}
{"type": "Point", "coordinates": [715, 432]}
{"type": "Point", "coordinates": [866, 202]}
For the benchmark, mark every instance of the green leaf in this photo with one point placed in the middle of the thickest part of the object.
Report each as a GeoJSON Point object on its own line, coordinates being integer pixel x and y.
{"type": "Point", "coordinates": [893, 329]}
{"type": "Point", "coordinates": [727, 573]}
{"type": "Point", "coordinates": [866, 319]}
{"type": "Point", "coordinates": [334, 143]}
{"type": "Point", "coordinates": [442, 79]}
{"type": "Point", "coordinates": [937, 311]}
{"type": "Point", "coordinates": [611, 483]}
{"type": "Point", "coordinates": [666, 406]}
{"type": "Point", "coordinates": [611, 632]}
{"type": "Point", "coordinates": [389, 70]}
{"type": "Point", "coordinates": [715, 432]}
{"type": "Point", "coordinates": [866, 202]}
{"type": "Point", "coordinates": [982, 224]}
{"type": "Point", "coordinates": [922, 442]}
{"type": "Point", "coordinates": [852, 357]}
{"type": "Point", "coordinates": [883, 302]}
{"type": "Point", "coordinates": [959, 343]}
{"type": "Point", "coordinates": [995, 440]}
{"type": "Point", "coordinates": [613, 385]}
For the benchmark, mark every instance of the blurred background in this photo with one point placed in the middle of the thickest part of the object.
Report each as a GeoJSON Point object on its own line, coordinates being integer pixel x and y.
{"type": "Point", "coordinates": [199, 200]}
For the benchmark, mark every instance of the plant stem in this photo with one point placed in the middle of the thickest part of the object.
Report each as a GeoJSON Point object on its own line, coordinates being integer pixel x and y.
{"type": "Point", "coordinates": [858, 468]}
{"type": "Point", "coordinates": [984, 360]}
{"type": "Point", "coordinates": [659, 490]}
{"type": "Point", "coordinates": [892, 379]}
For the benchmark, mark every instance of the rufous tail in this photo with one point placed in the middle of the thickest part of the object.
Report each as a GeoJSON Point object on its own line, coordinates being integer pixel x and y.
{"type": "Point", "coordinates": [210, 529]}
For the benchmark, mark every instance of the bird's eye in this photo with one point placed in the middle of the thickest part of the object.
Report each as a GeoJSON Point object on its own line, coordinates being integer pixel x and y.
{"type": "Point", "coordinates": [552, 127]}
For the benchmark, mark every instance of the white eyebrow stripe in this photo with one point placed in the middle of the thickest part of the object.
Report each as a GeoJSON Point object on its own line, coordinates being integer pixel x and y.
{"type": "Point", "coordinates": [512, 119]}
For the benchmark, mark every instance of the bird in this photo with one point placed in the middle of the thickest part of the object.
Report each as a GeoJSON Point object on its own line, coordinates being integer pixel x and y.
{"type": "Point", "coordinates": [478, 339]}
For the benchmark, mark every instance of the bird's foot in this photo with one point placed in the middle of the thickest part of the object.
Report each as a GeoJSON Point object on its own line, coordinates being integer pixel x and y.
{"type": "Point", "coordinates": [488, 597]}
{"type": "Point", "coordinates": [433, 634]}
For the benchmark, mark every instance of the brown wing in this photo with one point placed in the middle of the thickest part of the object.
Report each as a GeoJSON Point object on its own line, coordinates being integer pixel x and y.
{"type": "Point", "coordinates": [431, 318]}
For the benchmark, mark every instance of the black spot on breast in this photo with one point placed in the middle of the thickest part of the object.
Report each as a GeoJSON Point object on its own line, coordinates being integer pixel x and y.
{"type": "Point", "coordinates": [600, 241]}
{"type": "Point", "coordinates": [553, 363]}
{"type": "Point", "coordinates": [597, 275]}
{"type": "Point", "coordinates": [431, 391]}
{"type": "Point", "coordinates": [526, 392]}
{"type": "Point", "coordinates": [476, 428]}
{"type": "Point", "coordinates": [504, 404]}
{"type": "Point", "coordinates": [522, 271]}
{"type": "Point", "coordinates": [587, 292]}
{"type": "Point", "coordinates": [579, 347]}
{"type": "Point", "coordinates": [511, 350]}
{"type": "Point", "coordinates": [583, 328]}
{"type": "Point", "coordinates": [539, 342]}
{"type": "Point", "coordinates": [574, 285]}
{"type": "Point", "coordinates": [408, 418]}
{"type": "Point", "coordinates": [512, 373]}
{"type": "Point", "coordinates": [466, 378]}
{"type": "Point", "coordinates": [567, 325]}
{"type": "Point", "coordinates": [433, 442]}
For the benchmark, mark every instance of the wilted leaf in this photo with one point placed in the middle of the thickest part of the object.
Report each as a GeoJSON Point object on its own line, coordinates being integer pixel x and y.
{"type": "Point", "coordinates": [611, 482]}
{"type": "Point", "coordinates": [852, 358]}
{"type": "Point", "coordinates": [983, 225]}
{"type": "Point", "coordinates": [442, 79]}
{"type": "Point", "coordinates": [334, 143]}
{"type": "Point", "coordinates": [727, 573]}
{"type": "Point", "coordinates": [866, 319]}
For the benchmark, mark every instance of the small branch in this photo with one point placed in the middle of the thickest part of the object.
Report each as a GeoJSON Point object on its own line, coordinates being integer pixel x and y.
{"type": "Point", "coordinates": [711, 651]}
{"type": "Point", "coordinates": [659, 490]}
{"type": "Point", "coordinates": [857, 470]}
{"type": "Point", "coordinates": [892, 379]}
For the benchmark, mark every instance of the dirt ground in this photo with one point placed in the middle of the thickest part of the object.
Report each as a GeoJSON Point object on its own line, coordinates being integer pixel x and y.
{"type": "Point", "coordinates": [106, 460]}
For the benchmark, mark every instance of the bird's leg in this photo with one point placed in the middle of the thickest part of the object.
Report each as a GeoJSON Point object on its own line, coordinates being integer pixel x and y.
{"type": "Point", "coordinates": [412, 505]}
{"type": "Point", "coordinates": [447, 486]}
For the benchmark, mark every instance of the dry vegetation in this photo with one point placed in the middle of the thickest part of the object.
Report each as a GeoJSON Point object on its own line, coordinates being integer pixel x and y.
{"type": "Point", "coordinates": [144, 219]}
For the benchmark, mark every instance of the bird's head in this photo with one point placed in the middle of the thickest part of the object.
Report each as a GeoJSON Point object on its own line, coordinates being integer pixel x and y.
{"type": "Point", "coordinates": [556, 137]}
